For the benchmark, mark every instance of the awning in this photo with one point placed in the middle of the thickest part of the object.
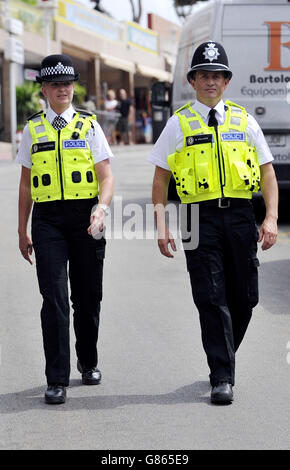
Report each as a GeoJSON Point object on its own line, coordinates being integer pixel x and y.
{"type": "Point", "coordinates": [162, 75]}
{"type": "Point", "coordinates": [117, 63]}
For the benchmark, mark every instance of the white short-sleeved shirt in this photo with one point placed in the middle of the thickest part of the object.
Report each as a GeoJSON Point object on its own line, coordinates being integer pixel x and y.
{"type": "Point", "coordinates": [110, 105]}
{"type": "Point", "coordinates": [95, 136]}
{"type": "Point", "coordinates": [171, 138]}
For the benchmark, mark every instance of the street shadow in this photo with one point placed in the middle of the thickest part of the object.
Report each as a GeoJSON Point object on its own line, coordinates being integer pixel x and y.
{"type": "Point", "coordinates": [283, 209]}
{"type": "Point", "coordinates": [33, 399]}
{"type": "Point", "coordinates": [274, 286]}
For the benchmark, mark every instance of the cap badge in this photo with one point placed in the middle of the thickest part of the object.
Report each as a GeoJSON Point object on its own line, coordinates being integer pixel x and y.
{"type": "Point", "coordinates": [60, 68]}
{"type": "Point", "coordinates": [211, 52]}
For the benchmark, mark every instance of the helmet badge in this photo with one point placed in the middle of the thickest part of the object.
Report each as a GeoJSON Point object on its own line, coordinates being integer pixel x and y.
{"type": "Point", "coordinates": [60, 68]}
{"type": "Point", "coordinates": [211, 52]}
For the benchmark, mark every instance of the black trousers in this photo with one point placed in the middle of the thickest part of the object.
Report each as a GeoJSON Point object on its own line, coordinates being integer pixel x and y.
{"type": "Point", "coordinates": [224, 281]}
{"type": "Point", "coordinates": [60, 241]}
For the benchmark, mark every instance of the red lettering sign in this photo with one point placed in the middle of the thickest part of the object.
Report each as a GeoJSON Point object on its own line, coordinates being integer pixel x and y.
{"type": "Point", "coordinates": [276, 44]}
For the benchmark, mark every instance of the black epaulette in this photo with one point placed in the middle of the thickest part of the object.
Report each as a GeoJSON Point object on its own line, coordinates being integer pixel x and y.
{"type": "Point", "coordinates": [84, 112]}
{"type": "Point", "coordinates": [34, 115]}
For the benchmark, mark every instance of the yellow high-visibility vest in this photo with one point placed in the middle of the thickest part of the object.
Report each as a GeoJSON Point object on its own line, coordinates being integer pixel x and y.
{"type": "Point", "coordinates": [62, 164]}
{"type": "Point", "coordinates": [214, 163]}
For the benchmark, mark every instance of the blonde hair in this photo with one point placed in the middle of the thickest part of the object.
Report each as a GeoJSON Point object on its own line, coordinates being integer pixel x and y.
{"type": "Point", "coordinates": [111, 94]}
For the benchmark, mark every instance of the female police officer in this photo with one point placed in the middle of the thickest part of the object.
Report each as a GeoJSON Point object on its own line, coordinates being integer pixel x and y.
{"type": "Point", "coordinates": [219, 157]}
{"type": "Point", "coordinates": [66, 172]}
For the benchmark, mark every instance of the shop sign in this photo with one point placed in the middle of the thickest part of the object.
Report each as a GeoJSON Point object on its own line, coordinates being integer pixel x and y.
{"type": "Point", "coordinates": [144, 38]}
{"type": "Point", "coordinates": [89, 20]}
{"type": "Point", "coordinates": [30, 74]}
{"type": "Point", "coordinates": [13, 26]}
{"type": "Point", "coordinates": [14, 51]}
{"type": "Point", "coordinates": [31, 16]}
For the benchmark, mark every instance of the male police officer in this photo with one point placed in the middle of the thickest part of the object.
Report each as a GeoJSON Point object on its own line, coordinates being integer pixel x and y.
{"type": "Point", "coordinates": [66, 172]}
{"type": "Point", "coordinates": [219, 157]}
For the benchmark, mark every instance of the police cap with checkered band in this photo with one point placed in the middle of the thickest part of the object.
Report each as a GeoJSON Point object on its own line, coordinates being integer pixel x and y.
{"type": "Point", "coordinates": [57, 68]}
{"type": "Point", "coordinates": [210, 56]}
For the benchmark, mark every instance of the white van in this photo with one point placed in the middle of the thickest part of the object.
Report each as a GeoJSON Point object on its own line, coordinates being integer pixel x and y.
{"type": "Point", "coordinates": [256, 37]}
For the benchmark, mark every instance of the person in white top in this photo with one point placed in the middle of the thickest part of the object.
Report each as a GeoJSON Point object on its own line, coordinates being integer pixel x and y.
{"type": "Point", "coordinates": [62, 166]}
{"type": "Point", "coordinates": [223, 267]}
{"type": "Point", "coordinates": [111, 103]}
{"type": "Point", "coordinates": [110, 120]}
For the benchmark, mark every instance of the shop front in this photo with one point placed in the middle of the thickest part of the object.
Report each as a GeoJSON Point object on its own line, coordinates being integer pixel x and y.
{"type": "Point", "coordinates": [110, 55]}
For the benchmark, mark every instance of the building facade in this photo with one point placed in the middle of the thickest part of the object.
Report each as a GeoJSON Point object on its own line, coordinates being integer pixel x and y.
{"type": "Point", "coordinates": [109, 54]}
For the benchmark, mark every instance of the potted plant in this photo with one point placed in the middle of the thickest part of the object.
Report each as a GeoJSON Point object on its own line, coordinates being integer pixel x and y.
{"type": "Point", "coordinates": [79, 94]}
{"type": "Point", "coordinates": [28, 101]}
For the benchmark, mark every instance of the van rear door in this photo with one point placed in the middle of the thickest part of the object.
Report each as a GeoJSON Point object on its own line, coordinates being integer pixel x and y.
{"type": "Point", "coordinates": [257, 40]}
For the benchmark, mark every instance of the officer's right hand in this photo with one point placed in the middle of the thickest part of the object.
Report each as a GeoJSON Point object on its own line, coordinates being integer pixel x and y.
{"type": "Point", "coordinates": [96, 222]}
{"type": "Point", "coordinates": [165, 239]}
{"type": "Point", "coordinates": [25, 246]}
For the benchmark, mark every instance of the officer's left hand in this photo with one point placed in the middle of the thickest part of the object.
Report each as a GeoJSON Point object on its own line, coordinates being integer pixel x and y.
{"type": "Point", "coordinates": [268, 232]}
{"type": "Point", "coordinates": [26, 248]}
{"type": "Point", "coordinates": [97, 222]}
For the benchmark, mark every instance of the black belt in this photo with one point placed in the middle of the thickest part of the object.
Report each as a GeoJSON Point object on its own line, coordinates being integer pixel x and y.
{"type": "Point", "coordinates": [226, 202]}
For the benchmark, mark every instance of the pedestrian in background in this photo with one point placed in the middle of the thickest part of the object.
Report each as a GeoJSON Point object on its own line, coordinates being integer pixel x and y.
{"type": "Point", "coordinates": [219, 158]}
{"type": "Point", "coordinates": [110, 106]}
{"type": "Point", "coordinates": [125, 109]}
{"type": "Point", "coordinates": [110, 102]}
{"type": "Point", "coordinates": [66, 176]}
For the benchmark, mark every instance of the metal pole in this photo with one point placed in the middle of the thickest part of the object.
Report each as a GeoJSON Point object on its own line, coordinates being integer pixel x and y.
{"type": "Point", "coordinates": [12, 92]}
{"type": "Point", "coordinates": [47, 29]}
{"type": "Point", "coordinates": [13, 113]}
{"type": "Point", "coordinates": [49, 10]}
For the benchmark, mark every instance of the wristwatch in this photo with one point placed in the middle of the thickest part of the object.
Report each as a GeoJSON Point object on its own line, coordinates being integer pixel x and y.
{"type": "Point", "coordinates": [105, 208]}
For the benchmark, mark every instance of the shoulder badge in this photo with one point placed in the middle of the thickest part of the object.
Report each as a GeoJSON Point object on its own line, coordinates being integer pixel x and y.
{"type": "Point", "coordinates": [84, 112]}
{"type": "Point", "coordinates": [39, 113]}
{"type": "Point", "coordinates": [231, 103]}
{"type": "Point", "coordinates": [183, 107]}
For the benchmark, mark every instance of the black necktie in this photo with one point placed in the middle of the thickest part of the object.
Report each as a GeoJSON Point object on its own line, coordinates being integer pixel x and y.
{"type": "Point", "coordinates": [59, 123]}
{"type": "Point", "coordinates": [212, 122]}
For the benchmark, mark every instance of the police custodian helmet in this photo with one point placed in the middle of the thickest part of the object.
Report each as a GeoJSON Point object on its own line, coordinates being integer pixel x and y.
{"type": "Point", "coordinates": [209, 56]}
{"type": "Point", "coordinates": [57, 68]}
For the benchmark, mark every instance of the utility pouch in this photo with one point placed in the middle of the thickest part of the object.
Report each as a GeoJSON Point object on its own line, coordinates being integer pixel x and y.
{"type": "Point", "coordinates": [187, 183]}
{"type": "Point", "coordinates": [241, 175]}
{"type": "Point", "coordinates": [204, 157]}
{"type": "Point", "coordinates": [181, 165]}
{"type": "Point", "coordinates": [253, 290]}
{"type": "Point", "coordinates": [254, 169]}
{"type": "Point", "coordinates": [240, 172]}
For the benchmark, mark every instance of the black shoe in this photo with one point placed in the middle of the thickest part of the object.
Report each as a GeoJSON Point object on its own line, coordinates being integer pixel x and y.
{"type": "Point", "coordinates": [91, 376]}
{"type": "Point", "coordinates": [55, 394]}
{"type": "Point", "coordinates": [222, 393]}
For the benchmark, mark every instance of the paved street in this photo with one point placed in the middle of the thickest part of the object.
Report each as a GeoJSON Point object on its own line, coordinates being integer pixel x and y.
{"type": "Point", "coordinates": [155, 389]}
